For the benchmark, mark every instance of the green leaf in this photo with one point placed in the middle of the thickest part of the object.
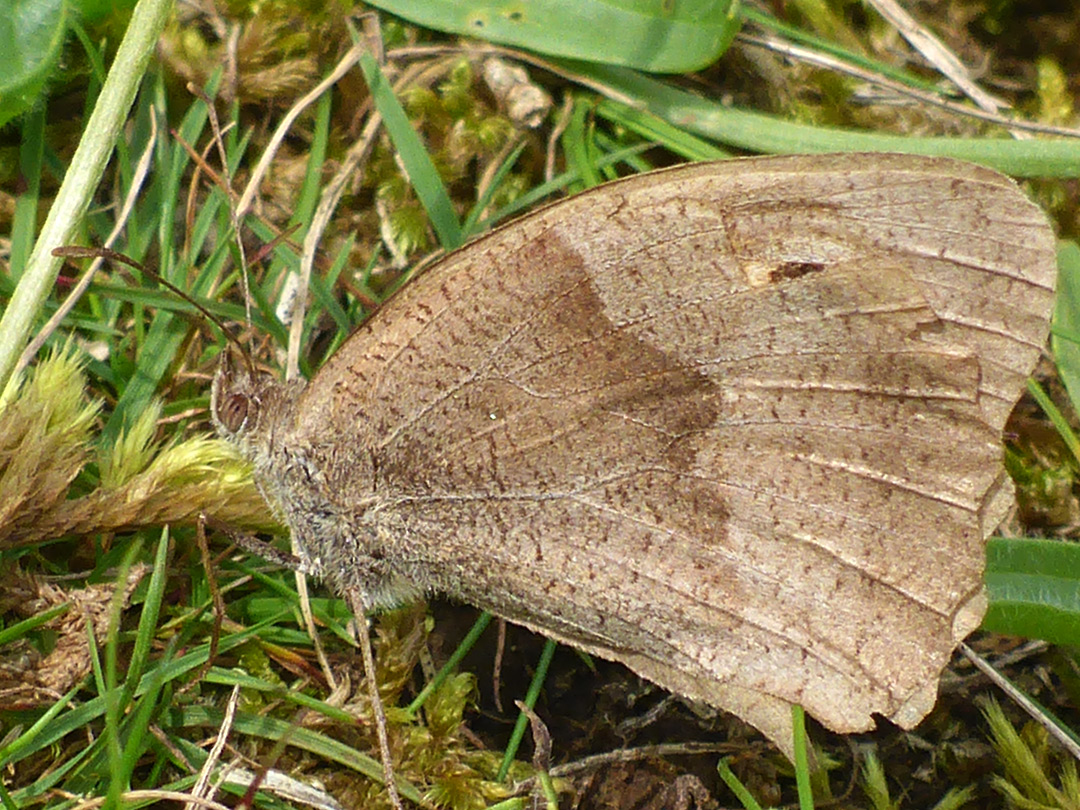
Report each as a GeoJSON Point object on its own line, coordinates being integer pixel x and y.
{"type": "Point", "coordinates": [33, 34]}
{"type": "Point", "coordinates": [1034, 589]}
{"type": "Point", "coordinates": [1065, 339]}
{"type": "Point", "coordinates": [659, 36]}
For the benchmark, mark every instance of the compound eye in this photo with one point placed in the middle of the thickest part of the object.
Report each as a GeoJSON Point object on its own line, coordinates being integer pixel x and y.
{"type": "Point", "coordinates": [233, 412]}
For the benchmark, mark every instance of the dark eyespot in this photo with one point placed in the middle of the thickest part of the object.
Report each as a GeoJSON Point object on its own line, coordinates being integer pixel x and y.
{"type": "Point", "coordinates": [233, 412]}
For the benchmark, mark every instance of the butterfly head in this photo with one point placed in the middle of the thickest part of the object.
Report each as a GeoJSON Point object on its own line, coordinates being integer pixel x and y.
{"type": "Point", "coordinates": [246, 405]}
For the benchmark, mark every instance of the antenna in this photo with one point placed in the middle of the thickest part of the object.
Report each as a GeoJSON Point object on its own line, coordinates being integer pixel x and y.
{"type": "Point", "coordinates": [80, 252]}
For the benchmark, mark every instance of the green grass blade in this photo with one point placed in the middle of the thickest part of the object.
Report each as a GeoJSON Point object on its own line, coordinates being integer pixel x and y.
{"type": "Point", "coordinates": [469, 227]}
{"type": "Point", "coordinates": [578, 146]}
{"type": "Point", "coordinates": [802, 760]}
{"type": "Point", "coordinates": [24, 218]}
{"type": "Point", "coordinates": [557, 183]}
{"type": "Point", "coordinates": [1056, 417]}
{"type": "Point", "coordinates": [13, 750]}
{"type": "Point", "coordinates": [729, 778]}
{"type": "Point", "coordinates": [530, 700]}
{"type": "Point", "coordinates": [148, 619]}
{"type": "Point", "coordinates": [418, 164]}
{"type": "Point", "coordinates": [768, 133]}
{"type": "Point", "coordinates": [664, 133]}
{"type": "Point", "coordinates": [20, 629]}
{"type": "Point", "coordinates": [1065, 339]}
{"type": "Point", "coordinates": [467, 643]}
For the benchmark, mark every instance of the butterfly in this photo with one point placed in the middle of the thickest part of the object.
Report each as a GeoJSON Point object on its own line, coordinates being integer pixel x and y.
{"type": "Point", "coordinates": [736, 425]}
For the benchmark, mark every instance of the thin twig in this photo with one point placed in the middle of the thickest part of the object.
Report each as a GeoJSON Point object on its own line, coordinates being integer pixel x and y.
{"type": "Point", "coordinates": [198, 790]}
{"type": "Point", "coordinates": [359, 607]}
{"type": "Point", "coordinates": [936, 53]}
{"type": "Point", "coordinates": [1022, 700]}
{"type": "Point", "coordinates": [344, 65]}
{"type": "Point", "coordinates": [328, 201]}
{"type": "Point", "coordinates": [566, 112]}
{"type": "Point", "coordinates": [427, 51]}
{"type": "Point", "coordinates": [809, 56]}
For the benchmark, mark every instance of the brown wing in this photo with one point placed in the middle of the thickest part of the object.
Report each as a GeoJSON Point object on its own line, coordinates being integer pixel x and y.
{"type": "Point", "coordinates": [736, 425]}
